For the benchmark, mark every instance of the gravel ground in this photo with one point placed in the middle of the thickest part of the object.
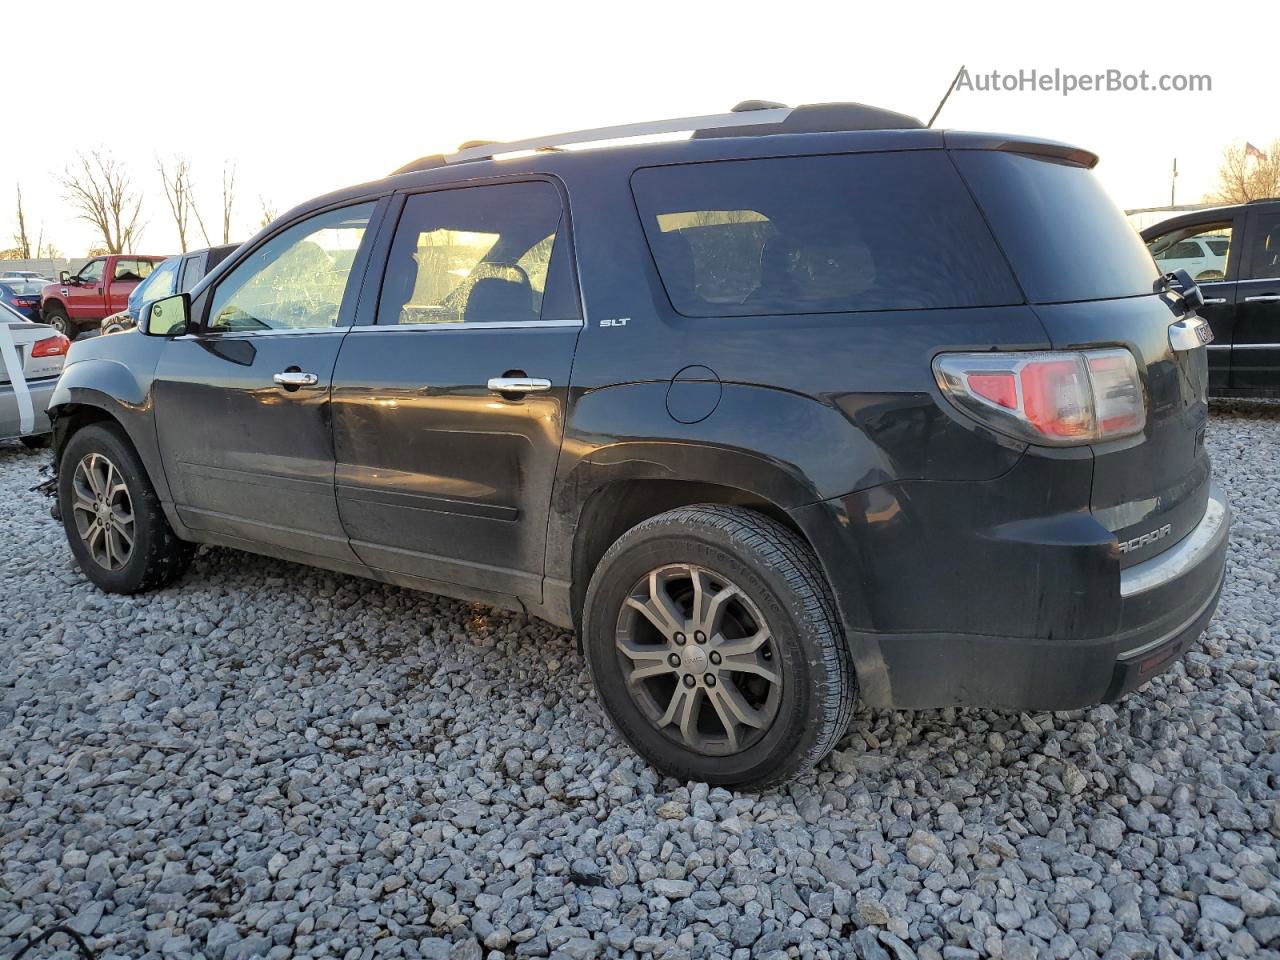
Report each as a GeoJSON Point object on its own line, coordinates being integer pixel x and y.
{"type": "Point", "coordinates": [269, 760]}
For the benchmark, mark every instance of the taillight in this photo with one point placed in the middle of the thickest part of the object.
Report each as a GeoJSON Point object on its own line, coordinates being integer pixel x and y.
{"type": "Point", "coordinates": [1051, 398]}
{"type": "Point", "coordinates": [51, 347]}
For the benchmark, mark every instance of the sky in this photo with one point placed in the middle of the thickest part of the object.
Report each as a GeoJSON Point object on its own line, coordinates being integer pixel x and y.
{"type": "Point", "coordinates": [306, 97]}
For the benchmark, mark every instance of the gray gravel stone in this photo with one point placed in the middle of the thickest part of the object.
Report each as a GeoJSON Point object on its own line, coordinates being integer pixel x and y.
{"type": "Point", "coordinates": [277, 761]}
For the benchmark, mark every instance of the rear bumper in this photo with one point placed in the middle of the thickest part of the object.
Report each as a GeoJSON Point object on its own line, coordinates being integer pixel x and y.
{"type": "Point", "coordinates": [10, 415]}
{"type": "Point", "coordinates": [1164, 606]}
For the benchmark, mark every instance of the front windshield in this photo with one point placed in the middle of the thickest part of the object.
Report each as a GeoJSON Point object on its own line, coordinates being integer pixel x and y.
{"type": "Point", "coordinates": [159, 283]}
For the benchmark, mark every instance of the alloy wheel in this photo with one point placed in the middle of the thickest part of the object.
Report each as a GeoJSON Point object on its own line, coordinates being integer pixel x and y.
{"type": "Point", "coordinates": [103, 511]}
{"type": "Point", "coordinates": [699, 659]}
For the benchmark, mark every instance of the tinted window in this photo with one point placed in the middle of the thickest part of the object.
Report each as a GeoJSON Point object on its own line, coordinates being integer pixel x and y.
{"type": "Point", "coordinates": [297, 279]}
{"type": "Point", "coordinates": [192, 272]}
{"type": "Point", "coordinates": [1264, 247]}
{"type": "Point", "coordinates": [1064, 236]}
{"type": "Point", "coordinates": [491, 254]}
{"type": "Point", "coordinates": [132, 271]}
{"type": "Point", "coordinates": [892, 231]}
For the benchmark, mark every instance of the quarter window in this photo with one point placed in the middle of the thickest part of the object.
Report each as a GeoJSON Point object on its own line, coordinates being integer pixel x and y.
{"type": "Point", "coordinates": [488, 254]}
{"type": "Point", "coordinates": [296, 280]}
{"type": "Point", "coordinates": [825, 234]}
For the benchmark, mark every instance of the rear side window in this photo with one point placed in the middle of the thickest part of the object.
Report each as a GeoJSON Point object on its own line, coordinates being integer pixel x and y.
{"type": "Point", "coordinates": [485, 254]}
{"type": "Point", "coordinates": [1065, 238]}
{"type": "Point", "coordinates": [830, 234]}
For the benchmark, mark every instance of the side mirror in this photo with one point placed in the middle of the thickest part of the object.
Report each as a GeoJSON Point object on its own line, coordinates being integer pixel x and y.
{"type": "Point", "coordinates": [64, 277]}
{"type": "Point", "coordinates": [1181, 283]}
{"type": "Point", "coordinates": [169, 317]}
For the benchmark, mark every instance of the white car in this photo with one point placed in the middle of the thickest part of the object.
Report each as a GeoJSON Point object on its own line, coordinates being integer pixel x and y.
{"type": "Point", "coordinates": [1204, 257]}
{"type": "Point", "coordinates": [31, 358]}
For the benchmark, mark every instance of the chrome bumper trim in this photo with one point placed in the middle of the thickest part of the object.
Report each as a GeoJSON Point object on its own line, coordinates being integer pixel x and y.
{"type": "Point", "coordinates": [1185, 554]}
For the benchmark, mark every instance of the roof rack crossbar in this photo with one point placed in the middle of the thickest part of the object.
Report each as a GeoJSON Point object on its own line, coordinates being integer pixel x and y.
{"type": "Point", "coordinates": [677, 125]}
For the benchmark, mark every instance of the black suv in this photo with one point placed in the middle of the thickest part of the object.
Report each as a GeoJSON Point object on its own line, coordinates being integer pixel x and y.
{"type": "Point", "coordinates": [1234, 254]}
{"type": "Point", "coordinates": [815, 404]}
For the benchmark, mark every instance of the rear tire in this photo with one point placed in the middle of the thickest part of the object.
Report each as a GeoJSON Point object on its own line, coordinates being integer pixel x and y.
{"type": "Point", "coordinates": [672, 630]}
{"type": "Point", "coordinates": [113, 519]}
{"type": "Point", "coordinates": [57, 318]}
{"type": "Point", "coordinates": [36, 443]}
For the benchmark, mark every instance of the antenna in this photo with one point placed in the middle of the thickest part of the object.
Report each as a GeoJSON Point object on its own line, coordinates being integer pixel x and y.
{"type": "Point", "coordinates": [942, 102]}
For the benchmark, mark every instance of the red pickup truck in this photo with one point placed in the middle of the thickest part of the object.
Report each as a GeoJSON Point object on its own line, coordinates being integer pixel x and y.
{"type": "Point", "coordinates": [100, 288]}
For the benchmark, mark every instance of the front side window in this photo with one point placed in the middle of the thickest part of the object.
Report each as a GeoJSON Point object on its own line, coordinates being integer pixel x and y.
{"type": "Point", "coordinates": [91, 272]}
{"type": "Point", "coordinates": [1264, 252]}
{"type": "Point", "coordinates": [297, 279]}
{"type": "Point", "coordinates": [1201, 250]}
{"type": "Point", "coordinates": [487, 254]}
{"type": "Point", "coordinates": [159, 283]}
{"type": "Point", "coordinates": [822, 234]}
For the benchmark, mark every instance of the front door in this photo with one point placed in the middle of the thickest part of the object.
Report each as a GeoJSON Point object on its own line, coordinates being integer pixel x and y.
{"type": "Point", "coordinates": [242, 403]}
{"type": "Point", "coordinates": [449, 407]}
{"type": "Point", "coordinates": [1255, 352]}
{"type": "Point", "coordinates": [84, 294]}
{"type": "Point", "coordinates": [1205, 249]}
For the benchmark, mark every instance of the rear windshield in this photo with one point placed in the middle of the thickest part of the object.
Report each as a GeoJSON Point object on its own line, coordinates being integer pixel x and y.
{"type": "Point", "coordinates": [1063, 235]}
{"type": "Point", "coordinates": [828, 234]}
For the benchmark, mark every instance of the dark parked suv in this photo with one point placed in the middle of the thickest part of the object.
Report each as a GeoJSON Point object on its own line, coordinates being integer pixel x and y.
{"type": "Point", "coordinates": [813, 405]}
{"type": "Point", "coordinates": [1235, 257]}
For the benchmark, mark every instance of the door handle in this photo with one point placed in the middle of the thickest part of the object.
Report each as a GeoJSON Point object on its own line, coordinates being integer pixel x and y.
{"type": "Point", "coordinates": [1265, 298]}
{"type": "Point", "coordinates": [1213, 301]}
{"type": "Point", "coordinates": [295, 378]}
{"type": "Point", "coordinates": [518, 385]}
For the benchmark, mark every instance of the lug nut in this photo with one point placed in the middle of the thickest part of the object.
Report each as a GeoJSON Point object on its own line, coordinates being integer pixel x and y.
{"type": "Point", "coordinates": [715, 656]}
{"type": "Point", "coordinates": [688, 680]}
{"type": "Point", "coordinates": [680, 639]}
{"type": "Point", "coordinates": [709, 679]}
{"type": "Point", "coordinates": [700, 636]}
{"type": "Point", "coordinates": [674, 659]}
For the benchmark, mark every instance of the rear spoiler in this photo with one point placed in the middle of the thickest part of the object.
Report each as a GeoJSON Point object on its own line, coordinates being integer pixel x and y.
{"type": "Point", "coordinates": [1053, 149]}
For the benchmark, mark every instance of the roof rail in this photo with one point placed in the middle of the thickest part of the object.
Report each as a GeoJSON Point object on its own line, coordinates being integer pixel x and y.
{"type": "Point", "coordinates": [751, 117]}
{"type": "Point", "coordinates": [677, 125]}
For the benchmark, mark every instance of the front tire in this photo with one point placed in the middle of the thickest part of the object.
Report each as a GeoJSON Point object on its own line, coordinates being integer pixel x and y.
{"type": "Point", "coordinates": [57, 318]}
{"type": "Point", "coordinates": [112, 516]}
{"type": "Point", "coordinates": [715, 647]}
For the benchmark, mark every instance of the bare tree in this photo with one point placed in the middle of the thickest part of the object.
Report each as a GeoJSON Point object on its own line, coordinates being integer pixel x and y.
{"type": "Point", "coordinates": [1247, 173]}
{"type": "Point", "coordinates": [20, 238]}
{"type": "Point", "coordinates": [179, 194]}
{"type": "Point", "coordinates": [228, 199]}
{"type": "Point", "coordinates": [268, 212]}
{"type": "Point", "coordinates": [100, 190]}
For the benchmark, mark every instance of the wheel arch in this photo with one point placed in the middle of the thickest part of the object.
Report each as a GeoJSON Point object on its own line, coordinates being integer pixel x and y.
{"type": "Point", "coordinates": [104, 391]}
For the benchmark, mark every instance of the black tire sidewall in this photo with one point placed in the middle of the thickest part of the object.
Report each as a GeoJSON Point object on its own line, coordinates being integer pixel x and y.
{"type": "Point", "coordinates": [799, 719]}
{"type": "Point", "coordinates": [59, 320]}
{"type": "Point", "coordinates": [104, 440]}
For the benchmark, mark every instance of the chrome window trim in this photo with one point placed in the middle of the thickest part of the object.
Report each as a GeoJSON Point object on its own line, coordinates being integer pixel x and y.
{"type": "Point", "coordinates": [1182, 556]}
{"type": "Point", "coordinates": [238, 334]}
{"type": "Point", "coordinates": [461, 325]}
{"type": "Point", "coordinates": [1255, 346]}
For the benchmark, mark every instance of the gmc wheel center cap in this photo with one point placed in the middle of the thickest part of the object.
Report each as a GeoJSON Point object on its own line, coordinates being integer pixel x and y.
{"type": "Point", "coordinates": [694, 659]}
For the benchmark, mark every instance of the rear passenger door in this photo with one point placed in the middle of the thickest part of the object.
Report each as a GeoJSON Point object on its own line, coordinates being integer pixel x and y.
{"type": "Point", "coordinates": [449, 395]}
{"type": "Point", "coordinates": [1255, 353]}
